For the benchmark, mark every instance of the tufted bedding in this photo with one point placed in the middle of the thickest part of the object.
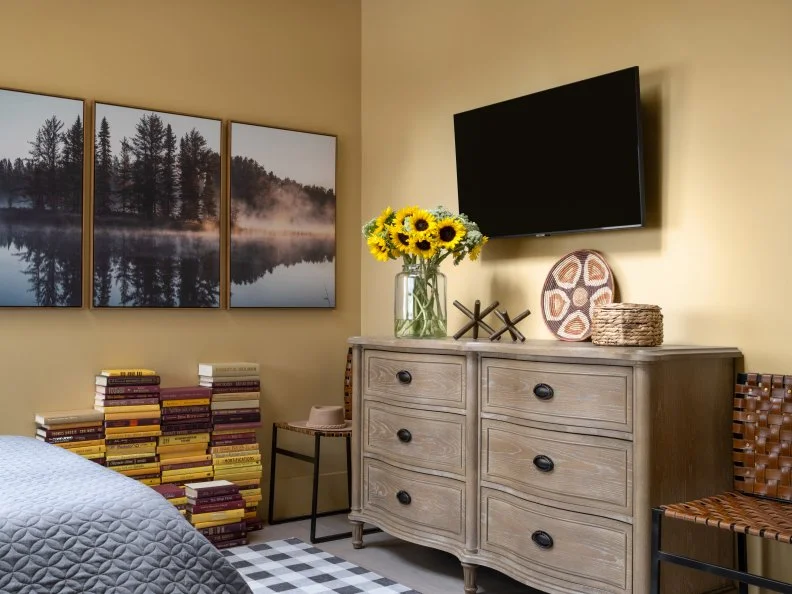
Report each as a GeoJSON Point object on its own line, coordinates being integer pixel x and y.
{"type": "Point", "coordinates": [70, 525]}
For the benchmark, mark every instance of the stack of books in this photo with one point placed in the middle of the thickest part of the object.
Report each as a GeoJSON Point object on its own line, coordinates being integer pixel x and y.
{"type": "Point", "coordinates": [129, 401]}
{"type": "Point", "coordinates": [186, 425]}
{"type": "Point", "coordinates": [236, 415]}
{"type": "Point", "coordinates": [217, 510]}
{"type": "Point", "coordinates": [79, 431]}
{"type": "Point", "coordinates": [175, 495]}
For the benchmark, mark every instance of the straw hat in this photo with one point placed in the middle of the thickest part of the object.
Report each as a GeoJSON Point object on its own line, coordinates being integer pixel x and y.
{"type": "Point", "coordinates": [330, 418]}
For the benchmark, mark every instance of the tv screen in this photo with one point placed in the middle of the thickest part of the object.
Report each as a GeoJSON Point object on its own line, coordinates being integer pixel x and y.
{"type": "Point", "coordinates": [560, 160]}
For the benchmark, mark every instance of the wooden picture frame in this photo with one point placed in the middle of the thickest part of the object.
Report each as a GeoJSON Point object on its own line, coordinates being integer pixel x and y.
{"type": "Point", "coordinates": [157, 209]}
{"type": "Point", "coordinates": [42, 179]}
{"type": "Point", "coordinates": [282, 217]}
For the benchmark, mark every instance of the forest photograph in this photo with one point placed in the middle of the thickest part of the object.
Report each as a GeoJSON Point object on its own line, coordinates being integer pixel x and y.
{"type": "Point", "coordinates": [283, 209]}
{"type": "Point", "coordinates": [41, 197]}
{"type": "Point", "coordinates": [156, 209]}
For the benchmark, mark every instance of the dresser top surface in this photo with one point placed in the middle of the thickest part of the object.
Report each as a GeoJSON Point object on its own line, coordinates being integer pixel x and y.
{"type": "Point", "coordinates": [547, 348]}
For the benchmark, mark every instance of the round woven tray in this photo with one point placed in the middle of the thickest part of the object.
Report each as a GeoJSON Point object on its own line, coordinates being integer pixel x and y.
{"type": "Point", "coordinates": [627, 324]}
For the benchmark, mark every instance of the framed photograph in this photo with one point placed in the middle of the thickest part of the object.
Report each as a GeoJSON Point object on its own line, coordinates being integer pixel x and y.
{"type": "Point", "coordinates": [283, 210]}
{"type": "Point", "coordinates": [156, 209]}
{"type": "Point", "coordinates": [41, 200]}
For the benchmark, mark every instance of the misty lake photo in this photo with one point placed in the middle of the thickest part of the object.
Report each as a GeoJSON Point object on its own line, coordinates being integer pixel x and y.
{"type": "Point", "coordinates": [156, 240]}
{"type": "Point", "coordinates": [41, 190]}
{"type": "Point", "coordinates": [283, 207]}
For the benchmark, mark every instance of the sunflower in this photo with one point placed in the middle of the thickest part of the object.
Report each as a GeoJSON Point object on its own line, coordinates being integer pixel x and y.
{"type": "Point", "coordinates": [382, 220]}
{"type": "Point", "coordinates": [403, 215]}
{"type": "Point", "coordinates": [423, 221]}
{"type": "Point", "coordinates": [379, 248]}
{"type": "Point", "coordinates": [423, 244]}
{"type": "Point", "coordinates": [400, 239]}
{"type": "Point", "coordinates": [450, 232]}
{"type": "Point", "coordinates": [474, 253]}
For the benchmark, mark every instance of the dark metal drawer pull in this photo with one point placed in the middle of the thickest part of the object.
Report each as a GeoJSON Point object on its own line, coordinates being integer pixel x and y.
{"type": "Point", "coordinates": [542, 539]}
{"type": "Point", "coordinates": [543, 463]}
{"type": "Point", "coordinates": [404, 435]}
{"type": "Point", "coordinates": [404, 376]}
{"type": "Point", "coordinates": [543, 391]}
{"type": "Point", "coordinates": [404, 497]}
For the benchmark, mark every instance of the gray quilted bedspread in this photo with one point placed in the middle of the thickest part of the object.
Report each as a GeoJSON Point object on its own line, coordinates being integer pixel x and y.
{"type": "Point", "coordinates": [69, 525]}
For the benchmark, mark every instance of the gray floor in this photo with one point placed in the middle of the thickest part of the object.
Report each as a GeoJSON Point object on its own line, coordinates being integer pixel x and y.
{"type": "Point", "coordinates": [426, 570]}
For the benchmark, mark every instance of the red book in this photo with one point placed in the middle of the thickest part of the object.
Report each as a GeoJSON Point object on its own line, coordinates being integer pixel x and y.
{"type": "Point", "coordinates": [73, 438]}
{"type": "Point", "coordinates": [224, 426]}
{"type": "Point", "coordinates": [238, 387]}
{"type": "Point", "coordinates": [68, 432]}
{"type": "Point", "coordinates": [244, 418]}
{"type": "Point", "coordinates": [225, 412]}
{"type": "Point", "coordinates": [238, 542]}
{"type": "Point", "coordinates": [121, 391]}
{"type": "Point", "coordinates": [225, 442]}
{"type": "Point", "coordinates": [180, 410]}
{"type": "Point", "coordinates": [234, 528]}
{"type": "Point", "coordinates": [201, 508]}
{"type": "Point", "coordinates": [131, 422]}
{"type": "Point", "coordinates": [111, 441]}
{"type": "Point", "coordinates": [202, 427]}
{"type": "Point", "coordinates": [215, 498]}
{"type": "Point", "coordinates": [169, 491]}
{"type": "Point", "coordinates": [192, 417]}
{"type": "Point", "coordinates": [185, 393]}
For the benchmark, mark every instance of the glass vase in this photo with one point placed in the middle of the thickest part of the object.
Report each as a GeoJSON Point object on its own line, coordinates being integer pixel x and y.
{"type": "Point", "coordinates": [420, 302]}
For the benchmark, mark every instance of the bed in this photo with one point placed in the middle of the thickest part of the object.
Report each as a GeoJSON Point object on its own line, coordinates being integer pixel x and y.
{"type": "Point", "coordinates": [70, 525]}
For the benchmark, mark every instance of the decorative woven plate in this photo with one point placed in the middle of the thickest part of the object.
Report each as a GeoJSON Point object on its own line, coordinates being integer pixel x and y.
{"type": "Point", "coordinates": [575, 284]}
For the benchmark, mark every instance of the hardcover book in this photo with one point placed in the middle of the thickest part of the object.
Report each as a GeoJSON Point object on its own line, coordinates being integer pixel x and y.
{"type": "Point", "coordinates": [68, 417]}
{"type": "Point", "coordinates": [234, 369]}
{"type": "Point", "coordinates": [136, 372]}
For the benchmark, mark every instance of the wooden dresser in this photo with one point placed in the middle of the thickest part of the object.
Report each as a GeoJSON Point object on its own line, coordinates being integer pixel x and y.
{"type": "Point", "coordinates": [542, 459]}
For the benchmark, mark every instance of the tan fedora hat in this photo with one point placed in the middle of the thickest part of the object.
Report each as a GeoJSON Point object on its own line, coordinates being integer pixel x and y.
{"type": "Point", "coordinates": [328, 418]}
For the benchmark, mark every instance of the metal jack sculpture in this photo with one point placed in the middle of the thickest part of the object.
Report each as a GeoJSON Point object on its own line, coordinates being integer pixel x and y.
{"type": "Point", "coordinates": [476, 319]}
{"type": "Point", "coordinates": [510, 325]}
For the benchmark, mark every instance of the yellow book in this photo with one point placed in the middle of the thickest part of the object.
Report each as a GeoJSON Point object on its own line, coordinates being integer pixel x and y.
{"type": "Point", "coordinates": [229, 514]}
{"type": "Point", "coordinates": [183, 512]}
{"type": "Point", "coordinates": [233, 460]}
{"type": "Point", "coordinates": [239, 467]}
{"type": "Point", "coordinates": [237, 454]}
{"type": "Point", "coordinates": [251, 516]}
{"type": "Point", "coordinates": [138, 453]}
{"type": "Point", "coordinates": [187, 477]}
{"type": "Point", "coordinates": [88, 450]}
{"type": "Point", "coordinates": [179, 459]}
{"type": "Point", "coordinates": [178, 500]}
{"type": "Point", "coordinates": [193, 448]}
{"type": "Point", "coordinates": [184, 439]}
{"type": "Point", "coordinates": [80, 444]}
{"type": "Point", "coordinates": [185, 402]}
{"type": "Point", "coordinates": [183, 471]}
{"type": "Point", "coordinates": [141, 466]}
{"type": "Point", "coordinates": [252, 501]}
{"type": "Point", "coordinates": [93, 456]}
{"type": "Point", "coordinates": [249, 492]}
{"type": "Point", "coordinates": [234, 396]}
{"type": "Point", "coordinates": [150, 482]}
{"type": "Point", "coordinates": [212, 524]}
{"type": "Point", "coordinates": [251, 483]}
{"type": "Point", "coordinates": [132, 446]}
{"type": "Point", "coordinates": [136, 472]}
{"type": "Point", "coordinates": [139, 431]}
{"type": "Point", "coordinates": [136, 408]}
{"type": "Point", "coordinates": [253, 447]}
{"type": "Point", "coordinates": [233, 477]}
{"type": "Point", "coordinates": [126, 371]}
{"type": "Point", "coordinates": [230, 431]}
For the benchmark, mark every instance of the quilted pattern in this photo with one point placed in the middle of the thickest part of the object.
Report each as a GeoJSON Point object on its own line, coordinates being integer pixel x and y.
{"type": "Point", "coordinates": [68, 525]}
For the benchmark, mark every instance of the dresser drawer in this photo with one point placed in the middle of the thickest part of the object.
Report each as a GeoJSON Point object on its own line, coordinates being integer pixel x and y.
{"type": "Point", "coordinates": [419, 503]}
{"type": "Point", "coordinates": [597, 396]}
{"type": "Point", "coordinates": [587, 471]}
{"type": "Point", "coordinates": [415, 378]}
{"type": "Point", "coordinates": [432, 440]}
{"type": "Point", "coordinates": [594, 552]}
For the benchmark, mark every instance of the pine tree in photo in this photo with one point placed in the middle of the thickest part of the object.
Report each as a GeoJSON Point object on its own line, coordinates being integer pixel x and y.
{"type": "Point", "coordinates": [103, 160]}
{"type": "Point", "coordinates": [211, 187]}
{"type": "Point", "coordinates": [72, 163]}
{"type": "Point", "coordinates": [148, 146]}
{"type": "Point", "coordinates": [169, 175]}
{"type": "Point", "coordinates": [192, 160]}
{"type": "Point", "coordinates": [124, 177]}
{"type": "Point", "coordinates": [44, 156]}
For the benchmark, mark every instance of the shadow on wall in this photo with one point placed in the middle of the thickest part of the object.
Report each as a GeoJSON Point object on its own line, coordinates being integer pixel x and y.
{"type": "Point", "coordinates": [655, 123]}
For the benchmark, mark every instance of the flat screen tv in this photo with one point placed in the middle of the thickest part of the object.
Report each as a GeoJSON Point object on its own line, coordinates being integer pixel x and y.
{"type": "Point", "coordinates": [561, 160]}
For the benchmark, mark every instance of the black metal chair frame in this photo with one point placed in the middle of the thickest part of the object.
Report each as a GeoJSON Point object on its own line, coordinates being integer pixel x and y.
{"type": "Point", "coordinates": [313, 460]}
{"type": "Point", "coordinates": [739, 575]}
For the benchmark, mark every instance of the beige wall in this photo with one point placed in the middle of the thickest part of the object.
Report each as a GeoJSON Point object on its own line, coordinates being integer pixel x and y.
{"type": "Point", "coordinates": [287, 63]}
{"type": "Point", "coordinates": [717, 94]}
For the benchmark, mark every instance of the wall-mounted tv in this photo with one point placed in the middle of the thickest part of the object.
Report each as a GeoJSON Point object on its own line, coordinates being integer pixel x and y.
{"type": "Point", "coordinates": [560, 160]}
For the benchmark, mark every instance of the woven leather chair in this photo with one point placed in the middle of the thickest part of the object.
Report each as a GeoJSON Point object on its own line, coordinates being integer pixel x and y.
{"type": "Point", "coordinates": [761, 503]}
{"type": "Point", "coordinates": [317, 434]}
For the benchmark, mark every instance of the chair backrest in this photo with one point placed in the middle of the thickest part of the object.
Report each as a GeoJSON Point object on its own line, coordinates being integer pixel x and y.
{"type": "Point", "coordinates": [762, 435]}
{"type": "Point", "coordinates": [348, 387]}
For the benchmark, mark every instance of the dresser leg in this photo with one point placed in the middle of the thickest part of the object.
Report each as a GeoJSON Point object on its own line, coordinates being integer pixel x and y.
{"type": "Point", "coordinates": [357, 535]}
{"type": "Point", "coordinates": [469, 572]}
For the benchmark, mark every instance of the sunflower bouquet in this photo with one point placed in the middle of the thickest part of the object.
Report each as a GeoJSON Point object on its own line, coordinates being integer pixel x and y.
{"type": "Point", "coordinates": [423, 238]}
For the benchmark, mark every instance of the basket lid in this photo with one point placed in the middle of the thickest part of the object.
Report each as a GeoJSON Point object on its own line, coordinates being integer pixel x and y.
{"type": "Point", "coordinates": [624, 306]}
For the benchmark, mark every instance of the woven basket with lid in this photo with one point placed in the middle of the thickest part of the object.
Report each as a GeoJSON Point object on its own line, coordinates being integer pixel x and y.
{"type": "Point", "coordinates": [627, 324]}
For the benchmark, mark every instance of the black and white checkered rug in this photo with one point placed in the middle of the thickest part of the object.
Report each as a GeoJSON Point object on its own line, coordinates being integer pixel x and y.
{"type": "Point", "coordinates": [294, 566]}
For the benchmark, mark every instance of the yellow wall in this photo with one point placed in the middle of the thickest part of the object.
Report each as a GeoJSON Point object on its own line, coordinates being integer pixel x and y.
{"type": "Point", "coordinates": [287, 63]}
{"type": "Point", "coordinates": [717, 93]}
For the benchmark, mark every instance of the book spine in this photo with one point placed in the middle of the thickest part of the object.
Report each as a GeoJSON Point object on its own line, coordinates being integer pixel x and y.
{"type": "Point", "coordinates": [185, 402]}
{"type": "Point", "coordinates": [69, 432]}
{"type": "Point", "coordinates": [71, 438]}
{"type": "Point", "coordinates": [169, 431]}
{"type": "Point", "coordinates": [191, 427]}
{"type": "Point", "coordinates": [217, 417]}
{"type": "Point", "coordinates": [216, 507]}
{"type": "Point", "coordinates": [131, 422]}
{"type": "Point", "coordinates": [223, 529]}
{"type": "Point", "coordinates": [232, 460]}
{"type": "Point", "coordinates": [237, 436]}
{"type": "Point", "coordinates": [121, 391]}
{"type": "Point", "coordinates": [54, 419]}
{"type": "Point", "coordinates": [215, 499]}
{"type": "Point", "coordinates": [123, 461]}
{"type": "Point", "coordinates": [143, 380]}
{"type": "Point", "coordinates": [186, 417]}
{"type": "Point", "coordinates": [108, 403]}
{"type": "Point", "coordinates": [226, 544]}
{"type": "Point", "coordinates": [130, 441]}
{"type": "Point", "coordinates": [184, 465]}
{"type": "Point", "coordinates": [241, 425]}
{"type": "Point", "coordinates": [197, 495]}
{"type": "Point", "coordinates": [229, 369]}
{"type": "Point", "coordinates": [185, 393]}
{"type": "Point", "coordinates": [173, 410]}
{"type": "Point", "coordinates": [232, 442]}
{"type": "Point", "coordinates": [233, 387]}
{"type": "Point", "coordinates": [201, 438]}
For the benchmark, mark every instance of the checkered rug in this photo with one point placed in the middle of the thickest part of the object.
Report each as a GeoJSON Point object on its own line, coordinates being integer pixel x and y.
{"type": "Point", "coordinates": [294, 566]}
